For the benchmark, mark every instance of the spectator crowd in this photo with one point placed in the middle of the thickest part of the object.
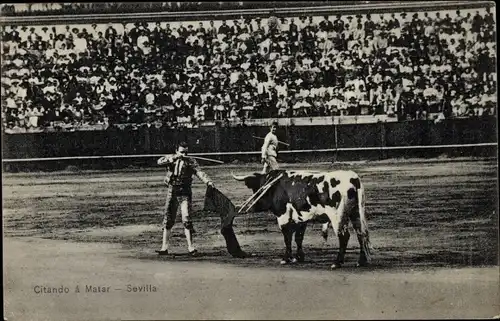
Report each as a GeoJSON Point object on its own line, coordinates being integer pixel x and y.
{"type": "Point", "coordinates": [403, 65]}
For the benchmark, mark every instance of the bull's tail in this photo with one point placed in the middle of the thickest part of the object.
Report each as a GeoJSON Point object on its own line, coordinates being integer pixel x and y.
{"type": "Point", "coordinates": [365, 234]}
{"type": "Point", "coordinates": [324, 230]}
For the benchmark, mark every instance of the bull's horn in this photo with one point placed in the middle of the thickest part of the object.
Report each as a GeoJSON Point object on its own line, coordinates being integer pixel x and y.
{"type": "Point", "coordinates": [240, 178]}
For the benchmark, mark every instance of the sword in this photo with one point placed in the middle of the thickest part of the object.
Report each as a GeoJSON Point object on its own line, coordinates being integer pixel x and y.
{"type": "Point", "coordinates": [207, 159]}
{"type": "Point", "coordinates": [204, 158]}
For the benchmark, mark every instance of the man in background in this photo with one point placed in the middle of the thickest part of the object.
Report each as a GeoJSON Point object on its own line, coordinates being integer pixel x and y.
{"type": "Point", "coordinates": [270, 149]}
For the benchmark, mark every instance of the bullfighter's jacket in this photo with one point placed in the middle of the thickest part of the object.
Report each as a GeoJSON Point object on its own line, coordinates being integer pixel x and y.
{"type": "Point", "coordinates": [180, 173]}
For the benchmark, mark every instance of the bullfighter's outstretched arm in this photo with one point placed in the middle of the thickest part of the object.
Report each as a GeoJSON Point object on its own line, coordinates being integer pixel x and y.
{"type": "Point", "coordinates": [200, 173]}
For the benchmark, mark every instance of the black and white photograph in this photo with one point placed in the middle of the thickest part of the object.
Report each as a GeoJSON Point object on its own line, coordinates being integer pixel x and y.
{"type": "Point", "coordinates": [238, 160]}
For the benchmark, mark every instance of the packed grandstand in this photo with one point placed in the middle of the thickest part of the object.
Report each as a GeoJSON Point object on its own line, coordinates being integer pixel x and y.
{"type": "Point", "coordinates": [405, 65]}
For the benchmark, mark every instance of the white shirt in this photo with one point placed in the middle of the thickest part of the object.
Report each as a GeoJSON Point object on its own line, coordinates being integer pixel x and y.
{"type": "Point", "coordinates": [95, 32]}
{"type": "Point", "coordinates": [429, 92]}
{"type": "Point", "coordinates": [282, 90]}
{"type": "Point", "coordinates": [150, 99]}
{"type": "Point", "coordinates": [22, 93]}
{"type": "Point", "coordinates": [146, 50]}
{"type": "Point", "coordinates": [234, 76]}
{"type": "Point", "coordinates": [110, 87]}
{"type": "Point", "coordinates": [302, 104]}
{"type": "Point", "coordinates": [264, 47]}
{"type": "Point", "coordinates": [58, 44]}
{"type": "Point", "coordinates": [18, 62]}
{"type": "Point", "coordinates": [141, 40]}
{"type": "Point", "coordinates": [50, 89]}
{"type": "Point", "coordinates": [64, 52]}
{"type": "Point", "coordinates": [80, 45]}
{"type": "Point", "coordinates": [270, 146]}
{"type": "Point", "coordinates": [260, 88]}
{"type": "Point", "coordinates": [49, 53]}
{"type": "Point", "coordinates": [10, 103]}
{"type": "Point", "coordinates": [349, 94]}
{"type": "Point", "coordinates": [190, 39]}
{"type": "Point", "coordinates": [186, 96]}
{"type": "Point", "coordinates": [94, 80]}
{"type": "Point", "coordinates": [176, 95]}
{"type": "Point", "coordinates": [45, 35]}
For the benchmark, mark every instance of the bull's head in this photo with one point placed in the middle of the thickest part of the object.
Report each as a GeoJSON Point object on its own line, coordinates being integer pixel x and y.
{"type": "Point", "coordinates": [253, 181]}
{"type": "Point", "coordinates": [256, 181]}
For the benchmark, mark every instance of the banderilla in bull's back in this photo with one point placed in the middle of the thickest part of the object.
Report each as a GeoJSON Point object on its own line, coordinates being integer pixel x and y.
{"type": "Point", "coordinates": [279, 141]}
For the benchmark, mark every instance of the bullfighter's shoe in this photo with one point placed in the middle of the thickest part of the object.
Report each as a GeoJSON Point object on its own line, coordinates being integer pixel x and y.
{"type": "Point", "coordinates": [165, 252]}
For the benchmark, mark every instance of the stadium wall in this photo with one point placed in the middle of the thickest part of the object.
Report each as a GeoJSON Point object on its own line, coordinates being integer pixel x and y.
{"type": "Point", "coordinates": [232, 144]}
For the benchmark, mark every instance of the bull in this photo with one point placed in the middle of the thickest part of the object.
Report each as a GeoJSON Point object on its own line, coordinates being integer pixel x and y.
{"type": "Point", "coordinates": [298, 197]}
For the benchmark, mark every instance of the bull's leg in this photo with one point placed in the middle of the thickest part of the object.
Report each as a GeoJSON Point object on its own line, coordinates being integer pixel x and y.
{"type": "Point", "coordinates": [287, 227]}
{"type": "Point", "coordinates": [299, 238]}
{"type": "Point", "coordinates": [344, 236]}
{"type": "Point", "coordinates": [287, 230]}
{"type": "Point", "coordinates": [339, 225]}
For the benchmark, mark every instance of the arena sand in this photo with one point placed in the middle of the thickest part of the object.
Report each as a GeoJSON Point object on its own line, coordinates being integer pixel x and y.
{"type": "Point", "coordinates": [434, 226]}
